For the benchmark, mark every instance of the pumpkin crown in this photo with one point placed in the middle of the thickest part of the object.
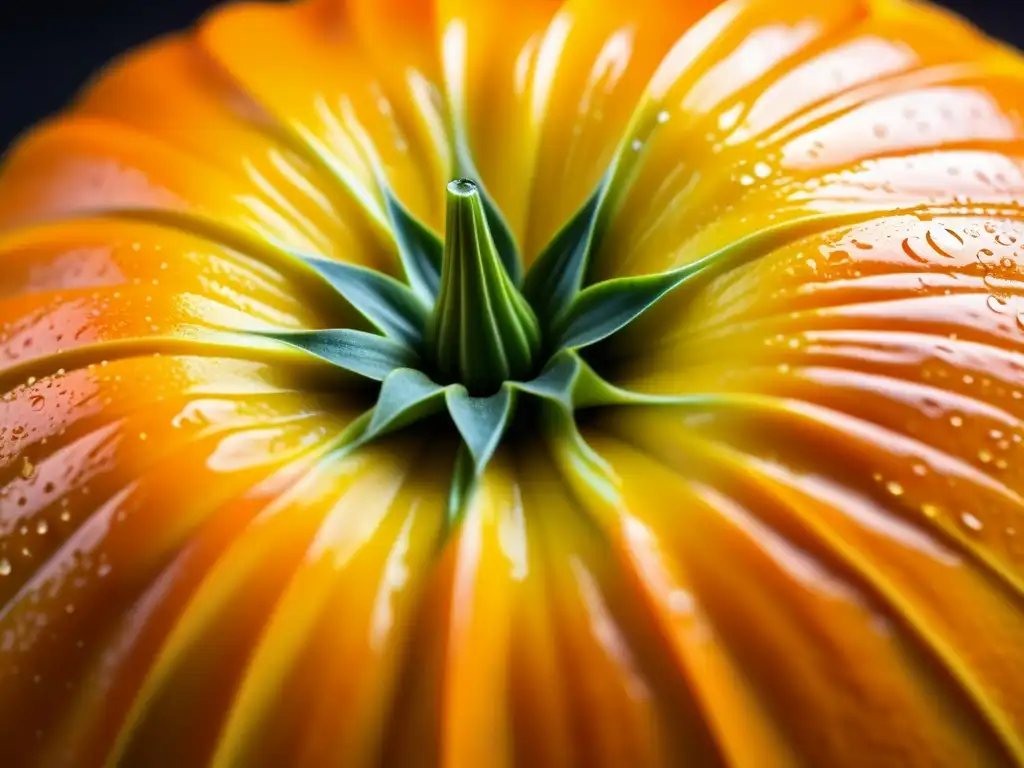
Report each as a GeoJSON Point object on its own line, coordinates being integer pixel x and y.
{"type": "Point", "coordinates": [466, 332]}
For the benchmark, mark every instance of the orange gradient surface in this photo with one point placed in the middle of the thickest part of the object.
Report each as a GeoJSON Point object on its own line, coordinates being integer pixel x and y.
{"type": "Point", "coordinates": [818, 560]}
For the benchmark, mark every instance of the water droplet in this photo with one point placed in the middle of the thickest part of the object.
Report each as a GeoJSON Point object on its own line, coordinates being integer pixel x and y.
{"type": "Point", "coordinates": [637, 145]}
{"type": "Point", "coordinates": [911, 247]}
{"type": "Point", "coordinates": [28, 469]}
{"type": "Point", "coordinates": [894, 488]}
{"type": "Point", "coordinates": [996, 304]}
{"type": "Point", "coordinates": [65, 516]}
{"type": "Point", "coordinates": [143, 436]}
{"type": "Point", "coordinates": [920, 470]}
{"type": "Point", "coordinates": [762, 170]}
{"type": "Point", "coordinates": [931, 511]}
{"type": "Point", "coordinates": [1004, 238]}
{"type": "Point", "coordinates": [956, 420]}
{"type": "Point", "coordinates": [984, 456]}
{"type": "Point", "coordinates": [38, 402]}
{"type": "Point", "coordinates": [5, 567]}
{"type": "Point", "coordinates": [880, 131]}
{"type": "Point", "coordinates": [971, 521]}
{"type": "Point", "coordinates": [746, 180]}
{"type": "Point", "coordinates": [663, 116]}
{"type": "Point", "coordinates": [944, 241]}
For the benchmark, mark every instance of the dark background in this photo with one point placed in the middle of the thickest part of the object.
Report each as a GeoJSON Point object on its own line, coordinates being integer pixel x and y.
{"type": "Point", "coordinates": [48, 49]}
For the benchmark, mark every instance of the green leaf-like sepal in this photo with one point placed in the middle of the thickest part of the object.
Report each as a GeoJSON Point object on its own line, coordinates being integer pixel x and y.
{"type": "Point", "coordinates": [556, 276]}
{"type": "Point", "coordinates": [483, 331]}
{"type": "Point", "coordinates": [419, 248]}
{"type": "Point", "coordinates": [366, 354]}
{"type": "Point", "coordinates": [602, 309]}
{"type": "Point", "coordinates": [570, 384]}
{"type": "Point", "coordinates": [481, 421]}
{"type": "Point", "coordinates": [406, 396]}
{"type": "Point", "coordinates": [389, 305]}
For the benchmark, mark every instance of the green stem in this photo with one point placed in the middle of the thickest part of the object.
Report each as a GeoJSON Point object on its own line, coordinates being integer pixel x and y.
{"type": "Point", "coordinates": [482, 331]}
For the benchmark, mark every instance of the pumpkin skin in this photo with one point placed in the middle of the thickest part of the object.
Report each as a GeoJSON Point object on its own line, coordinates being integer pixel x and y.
{"type": "Point", "coordinates": [819, 560]}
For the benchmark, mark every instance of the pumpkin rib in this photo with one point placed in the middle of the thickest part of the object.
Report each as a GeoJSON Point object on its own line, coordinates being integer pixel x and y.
{"type": "Point", "coordinates": [725, 178]}
{"type": "Point", "coordinates": [947, 73]}
{"type": "Point", "coordinates": [783, 321]}
{"type": "Point", "coordinates": [738, 152]}
{"type": "Point", "coordinates": [203, 313]}
{"type": "Point", "coordinates": [119, 492]}
{"type": "Point", "coordinates": [904, 611]}
{"type": "Point", "coordinates": [376, 624]}
{"type": "Point", "coordinates": [607, 622]}
{"type": "Point", "coordinates": [679, 306]}
{"type": "Point", "coordinates": [95, 354]}
{"type": "Point", "coordinates": [268, 253]}
{"type": "Point", "coordinates": [540, 719]}
{"type": "Point", "coordinates": [881, 382]}
{"type": "Point", "coordinates": [879, 587]}
{"type": "Point", "coordinates": [257, 559]}
{"type": "Point", "coordinates": [108, 538]}
{"type": "Point", "coordinates": [218, 36]}
{"type": "Point", "coordinates": [91, 147]}
{"type": "Point", "coordinates": [100, 101]}
{"type": "Point", "coordinates": [33, 257]}
{"type": "Point", "coordinates": [999, 571]}
{"type": "Point", "coordinates": [636, 557]}
{"type": "Point", "coordinates": [992, 722]}
{"type": "Point", "coordinates": [877, 208]}
{"type": "Point", "coordinates": [571, 44]}
{"type": "Point", "coordinates": [874, 24]}
{"type": "Point", "coordinates": [98, 439]}
{"type": "Point", "coordinates": [106, 695]}
{"type": "Point", "coordinates": [743, 731]}
{"type": "Point", "coordinates": [250, 118]}
{"type": "Point", "coordinates": [332, 558]}
{"type": "Point", "coordinates": [825, 39]}
{"type": "Point", "coordinates": [1001, 731]}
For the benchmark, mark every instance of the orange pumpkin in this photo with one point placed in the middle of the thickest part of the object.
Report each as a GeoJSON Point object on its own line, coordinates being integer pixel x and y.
{"type": "Point", "coordinates": [687, 430]}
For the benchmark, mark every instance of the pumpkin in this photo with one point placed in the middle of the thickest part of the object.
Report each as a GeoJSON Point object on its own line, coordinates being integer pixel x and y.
{"type": "Point", "coordinates": [545, 383]}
